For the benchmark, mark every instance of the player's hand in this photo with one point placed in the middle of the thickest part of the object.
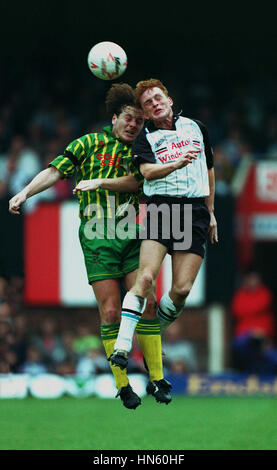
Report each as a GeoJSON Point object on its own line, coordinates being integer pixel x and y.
{"type": "Point", "coordinates": [16, 201]}
{"type": "Point", "coordinates": [87, 185]}
{"type": "Point", "coordinates": [186, 158]}
{"type": "Point", "coordinates": [213, 229]}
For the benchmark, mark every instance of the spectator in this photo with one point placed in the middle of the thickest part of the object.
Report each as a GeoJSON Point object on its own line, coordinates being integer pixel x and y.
{"type": "Point", "coordinates": [49, 342]}
{"type": "Point", "coordinates": [20, 339]}
{"type": "Point", "coordinates": [206, 113]}
{"type": "Point", "coordinates": [68, 337]}
{"type": "Point", "coordinates": [254, 329]}
{"type": "Point", "coordinates": [180, 355]}
{"type": "Point", "coordinates": [5, 310]}
{"type": "Point", "coordinates": [66, 367]}
{"type": "Point", "coordinates": [6, 131]}
{"type": "Point", "coordinates": [6, 332]}
{"type": "Point", "coordinates": [4, 366]}
{"type": "Point", "coordinates": [8, 358]}
{"type": "Point", "coordinates": [232, 145]}
{"type": "Point", "coordinates": [93, 362]}
{"type": "Point", "coordinates": [3, 289]}
{"type": "Point", "coordinates": [223, 172]}
{"type": "Point", "coordinates": [18, 166]}
{"type": "Point", "coordinates": [34, 364]}
{"type": "Point", "coordinates": [44, 117]}
{"type": "Point", "coordinates": [15, 292]}
{"type": "Point", "coordinates": [85, 340]}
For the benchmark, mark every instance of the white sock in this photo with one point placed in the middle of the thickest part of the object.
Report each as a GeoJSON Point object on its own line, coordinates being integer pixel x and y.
{"type": "Point", "coordinates": [168, 312]}
{"type": "Point", "coordinates": [132, 309]}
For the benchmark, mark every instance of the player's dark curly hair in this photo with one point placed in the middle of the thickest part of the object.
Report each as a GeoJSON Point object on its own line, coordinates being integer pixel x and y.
{"type": "Point", "coordinates": [118, 97]}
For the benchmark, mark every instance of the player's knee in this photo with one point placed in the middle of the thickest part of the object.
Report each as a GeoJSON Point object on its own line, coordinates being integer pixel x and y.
{"type": "Point", "coordinates": [110, 315]}
{"type": "Point", "coordinates": [182, 290]}
{"type": "Point", "coordinates": [146, 281]}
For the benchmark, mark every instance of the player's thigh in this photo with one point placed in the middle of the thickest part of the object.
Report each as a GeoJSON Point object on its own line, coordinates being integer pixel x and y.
{"type": "Point", "coordinates": [130, 279]}
{"type": "Point", "coordinates": [102, 257]}
{"type": "Point", "coordinates": [185, 267]}
{"type": "Point", "coordinates": [107, 293]}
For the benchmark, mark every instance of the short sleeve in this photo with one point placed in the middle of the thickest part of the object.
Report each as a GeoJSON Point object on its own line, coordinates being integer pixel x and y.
{"type": "Point", "coordinates": [135, 172]}
{"type": "Point", "coordinates": [207, 145]}
{"type": "Point", "coordinates": [71, 158]}
{"type": "Point", "coordinates": [141, 150]}
{"type": "Point", "coordinates": [64, 165]}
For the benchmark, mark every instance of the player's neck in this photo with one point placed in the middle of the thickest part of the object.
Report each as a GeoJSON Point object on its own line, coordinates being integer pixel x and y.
{"type": "Point", "coordinates": [165, 123]}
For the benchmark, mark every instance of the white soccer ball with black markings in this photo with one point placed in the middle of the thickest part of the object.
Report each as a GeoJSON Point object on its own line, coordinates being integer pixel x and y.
{"type": "Point", "coordinates": [107, 60]}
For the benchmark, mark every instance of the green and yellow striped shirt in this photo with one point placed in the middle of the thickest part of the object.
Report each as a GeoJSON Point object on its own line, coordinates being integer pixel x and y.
{"type": "Point", "coordinates": [99, 155]}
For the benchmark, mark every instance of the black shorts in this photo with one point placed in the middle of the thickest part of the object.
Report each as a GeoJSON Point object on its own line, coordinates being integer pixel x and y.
{"type": "Point", "coordinates": [195, 228]}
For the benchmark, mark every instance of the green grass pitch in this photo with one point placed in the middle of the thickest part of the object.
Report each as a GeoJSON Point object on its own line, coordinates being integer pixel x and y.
{"type": "Point", "coordinates": [188, 423]}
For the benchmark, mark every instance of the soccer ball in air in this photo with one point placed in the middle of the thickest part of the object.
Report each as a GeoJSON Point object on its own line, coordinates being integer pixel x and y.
{"type": "Point", "coordinates": [107, 60]}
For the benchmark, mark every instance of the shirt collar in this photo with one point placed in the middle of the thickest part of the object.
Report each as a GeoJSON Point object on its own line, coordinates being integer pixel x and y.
{"type": "Point", "coordinates": [109, 131]}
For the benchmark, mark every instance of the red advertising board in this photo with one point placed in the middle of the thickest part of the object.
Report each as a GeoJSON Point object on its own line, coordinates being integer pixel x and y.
{"type": "Point", "coordinates": [256, 209]}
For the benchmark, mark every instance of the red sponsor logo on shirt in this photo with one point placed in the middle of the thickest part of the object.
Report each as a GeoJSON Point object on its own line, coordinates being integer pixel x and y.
{"type": "Point", "coordinates": [168, 158]}
{"type": "Point", "coordinates": [107, 159]}
{"type": "Point", "coordinates": [178, 145]}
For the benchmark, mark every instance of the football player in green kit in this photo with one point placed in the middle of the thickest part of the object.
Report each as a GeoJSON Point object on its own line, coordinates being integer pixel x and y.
{"type": "Point", "coordinates": [106, 182]}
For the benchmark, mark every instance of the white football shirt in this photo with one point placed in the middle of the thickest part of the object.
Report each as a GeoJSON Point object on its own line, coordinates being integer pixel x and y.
{"type": "Point", "coordinates": [162, 146]}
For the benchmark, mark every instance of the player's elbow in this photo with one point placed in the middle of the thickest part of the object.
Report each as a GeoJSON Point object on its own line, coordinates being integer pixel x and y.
{"type": "Point", "coordinates": [146, 170]}
{"type": "Point", "coordinates": [54, 174]}
{"type": "Point", "coordinates": [131, 185]}
{"type": "Point", "coordinates": [147, 174]}
{"type": "Point", "coordinates": [134, 187]}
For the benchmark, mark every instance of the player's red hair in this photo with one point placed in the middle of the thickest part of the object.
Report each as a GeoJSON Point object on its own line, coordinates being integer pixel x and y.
{"type": "Point", "coordinates": [143, 85]}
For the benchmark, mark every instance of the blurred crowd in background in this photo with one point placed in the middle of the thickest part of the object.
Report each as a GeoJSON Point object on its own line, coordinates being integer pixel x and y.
{"type": "Point", "coordinates": [67, 342]}
{"type": "Point", "coordinates": [37, 122]}
{"type": "Point", "coordinates": [38, 119]}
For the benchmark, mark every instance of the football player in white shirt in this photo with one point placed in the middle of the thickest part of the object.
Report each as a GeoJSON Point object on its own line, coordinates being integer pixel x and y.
{"type": "Point", "coordinates": [185, 176]}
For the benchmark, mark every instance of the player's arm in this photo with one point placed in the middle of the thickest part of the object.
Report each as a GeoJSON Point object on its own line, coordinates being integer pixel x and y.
{"type": "Point", "coordinates": [154, 171]}
{"type": "Point", "coordinates": [144, 159]}
{"type": "Point", "coordinates": [43, 180]}
{"type": "Point", "coordinates": [122, 184]}
{"type": "Point", "coordinates": [209, 200]}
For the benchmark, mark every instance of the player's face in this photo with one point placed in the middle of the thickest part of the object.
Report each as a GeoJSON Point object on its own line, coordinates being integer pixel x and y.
{"type": "Point", "coordinates": [128, 124]}
{"type": "Point", "coordinates": [155, 104]}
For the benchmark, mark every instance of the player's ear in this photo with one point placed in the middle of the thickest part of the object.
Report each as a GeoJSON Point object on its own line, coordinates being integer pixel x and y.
{"type": "Point", "coordinates": [170, 101]}
{"type": "Point", "coordinates": [114, 119]}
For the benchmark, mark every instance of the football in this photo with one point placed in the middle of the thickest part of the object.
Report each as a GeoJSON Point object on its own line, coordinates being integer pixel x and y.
{"type": "Point", "coordinates": [107, 60]}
